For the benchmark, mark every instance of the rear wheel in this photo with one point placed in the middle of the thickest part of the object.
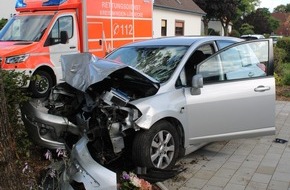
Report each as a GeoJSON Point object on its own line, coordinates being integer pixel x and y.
{"type": "Point", "coordinates": [157, 147]}
{"type": "Point", "coordinates": [41, 84]}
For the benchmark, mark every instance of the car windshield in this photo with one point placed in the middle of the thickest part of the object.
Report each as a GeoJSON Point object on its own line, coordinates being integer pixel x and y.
{"type": "Point", "coordinates": [25, 28]}
{"type": "Point", "coordinates": [159, 62]}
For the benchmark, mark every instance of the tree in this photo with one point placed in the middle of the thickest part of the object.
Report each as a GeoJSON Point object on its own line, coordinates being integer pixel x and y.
{"type": "Point", "coordinates": [2, 22]}
{"type": "Point", "coordinates": [205, 5]}
{"type": "Point", "coordinates": [288, 8]}
{"type": "Point", "coordinates": [282, 9]}
{"type": "Point", "coordinates": [246, 29]}
{"type": "Point", "coordinates": [9, 177]}
{"type": "Point", "coordinates": [262, 21]}
{"type": "Point", "coordinates": [226, 11]}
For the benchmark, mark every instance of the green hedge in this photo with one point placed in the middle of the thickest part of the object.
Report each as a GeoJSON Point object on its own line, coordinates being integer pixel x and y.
{"type": "Point", "coordinates": [15, 95]}
{"type": "Point", "coordinates": [284, 43]}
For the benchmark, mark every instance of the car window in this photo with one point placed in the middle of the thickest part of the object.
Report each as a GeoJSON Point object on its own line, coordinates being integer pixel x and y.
{"type": "Point", "coordinates": [159, 62]}
{"type": "Point", "coordinates": [200, 54]}
{"type": "Point", "coordinates": [239, 62]}
{"type": "Point", "coordinates": [224, 43]}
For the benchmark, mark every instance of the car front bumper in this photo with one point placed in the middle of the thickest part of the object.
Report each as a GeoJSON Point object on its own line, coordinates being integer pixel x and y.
{"type": "Point", "coordinates": [45, 129]}
{"type": "Point", "coordinates": [84, 170]}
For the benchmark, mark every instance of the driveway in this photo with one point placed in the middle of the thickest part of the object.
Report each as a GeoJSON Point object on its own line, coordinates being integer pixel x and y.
{"type": "Point", "coordinates": [250, 164]}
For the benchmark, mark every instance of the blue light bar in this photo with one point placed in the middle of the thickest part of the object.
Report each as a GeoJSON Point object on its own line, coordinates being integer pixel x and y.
{"type": "Point", "coordinates": [20, 3]}
{"type": "Point", "coordinates": [54, 2]}
{"type": "Point", "coordinates": [23, 4]}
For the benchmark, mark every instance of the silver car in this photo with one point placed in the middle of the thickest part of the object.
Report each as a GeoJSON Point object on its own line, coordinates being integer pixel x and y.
{"type": "Point", "coordinates": [212, 89]}
{"type": "Point", "coordinates": [176, 94]}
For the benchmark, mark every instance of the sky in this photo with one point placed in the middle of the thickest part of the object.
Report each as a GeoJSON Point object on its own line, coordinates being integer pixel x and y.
{"type": "Point", "coordinates": [271, 4]}
{"type": "Point", "coordinates": [7, 8]}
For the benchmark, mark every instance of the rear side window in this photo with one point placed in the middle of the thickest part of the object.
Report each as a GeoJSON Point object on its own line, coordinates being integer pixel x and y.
{"type": "Point", "coordinates": [244, 61]}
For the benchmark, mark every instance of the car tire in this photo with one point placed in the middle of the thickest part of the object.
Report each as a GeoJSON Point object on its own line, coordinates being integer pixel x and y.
{"type": "Point", "coordinates": [150, 151]}
{"type": "Point", "coordinates": [41, 84]}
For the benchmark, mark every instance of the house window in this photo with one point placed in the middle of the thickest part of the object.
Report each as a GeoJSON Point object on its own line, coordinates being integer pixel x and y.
{"type": "Point", "coordinates": [179, 28]}
{"type": "Point", "coordinates": [163, 27]}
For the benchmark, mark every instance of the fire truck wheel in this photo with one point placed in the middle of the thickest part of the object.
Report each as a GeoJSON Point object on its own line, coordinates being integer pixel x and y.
{"type": "Point", "coordinates": [40, 84]}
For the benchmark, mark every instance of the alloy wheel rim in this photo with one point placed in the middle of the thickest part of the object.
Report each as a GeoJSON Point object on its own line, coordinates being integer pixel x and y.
{"type": "Point", "coordinates": [162, 149]}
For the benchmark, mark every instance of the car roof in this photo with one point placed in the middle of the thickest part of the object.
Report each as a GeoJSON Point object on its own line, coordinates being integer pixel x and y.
{"type": "Point", "coordinates": [258, 36]}
{"type": "Point", "coordinates": [181, 40]}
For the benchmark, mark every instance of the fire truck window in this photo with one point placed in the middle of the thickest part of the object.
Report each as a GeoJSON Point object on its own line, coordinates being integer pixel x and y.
{"type": "Point", "coordinates": [62, 24]}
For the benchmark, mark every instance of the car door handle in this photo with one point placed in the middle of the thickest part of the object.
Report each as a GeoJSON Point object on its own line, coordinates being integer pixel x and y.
{"type": "Point", "coordinates": [72, 47]}
{"type": "Point", "coordinates": [262, 88]}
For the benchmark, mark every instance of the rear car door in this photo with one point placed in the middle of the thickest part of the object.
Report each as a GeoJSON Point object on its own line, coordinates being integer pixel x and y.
{"type": "Point", "coordinates": [238, 96]}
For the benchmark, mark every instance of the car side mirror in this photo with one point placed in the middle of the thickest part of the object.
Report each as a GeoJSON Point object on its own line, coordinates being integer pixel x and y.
{"type": "Point", "coordinates": [197, 84]}
{"type": "Point", "coordinates": [63, 37]}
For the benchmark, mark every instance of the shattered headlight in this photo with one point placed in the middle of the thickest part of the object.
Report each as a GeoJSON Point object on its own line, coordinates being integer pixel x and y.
{"type": "Point", "coordinates": [17, 59]}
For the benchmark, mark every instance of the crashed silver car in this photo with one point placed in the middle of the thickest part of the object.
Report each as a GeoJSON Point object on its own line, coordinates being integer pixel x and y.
{"type": "Point", "coordinates": [156, 100]}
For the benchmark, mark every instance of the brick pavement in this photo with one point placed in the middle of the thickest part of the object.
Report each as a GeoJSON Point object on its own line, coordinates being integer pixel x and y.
{"type": "Point", "coordinates": [243, 164]}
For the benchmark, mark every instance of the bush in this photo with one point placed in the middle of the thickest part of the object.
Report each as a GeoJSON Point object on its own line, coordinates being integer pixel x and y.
{"type": "Point", "coordinates": [284, 43]}
{"type": "Point", "coordinates": [15, 95]}
{"type": "Point", "coordinates": [286, 74]}
{"type": "Point", "coordinates": [279, 59]}
{"type": "Point", "coordinates": [235, 33]}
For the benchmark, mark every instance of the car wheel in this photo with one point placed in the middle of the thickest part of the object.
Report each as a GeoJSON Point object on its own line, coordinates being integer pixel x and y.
{"type": "Point", "coordinates": [41, 84]}
{"type": "Point", "coordinates": [157, 147]}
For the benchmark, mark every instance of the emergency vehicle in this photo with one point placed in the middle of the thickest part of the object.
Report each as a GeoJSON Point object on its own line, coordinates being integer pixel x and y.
{"type": "Point", "coordinates": [34, 39]}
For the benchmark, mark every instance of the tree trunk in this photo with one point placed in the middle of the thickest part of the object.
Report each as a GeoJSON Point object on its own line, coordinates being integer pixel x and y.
{"type": "Point", "coordinates": [225, 25]}
{"type": "Point", "coordinates": [9, 174]}
{"type": "Point", "coordinates": [205, 25]}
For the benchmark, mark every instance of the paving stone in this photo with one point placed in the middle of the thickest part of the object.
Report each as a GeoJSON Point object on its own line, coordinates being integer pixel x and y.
{"type": "Point", "coordinates": [211, 187]}
{"type": "Point", "coordinates": [281, 176]}
{"type": "Point", "coordinates": [204, 174]}
{"type": "Point", "coordinates": [218, 181]}
{"type": "Point", "coordinates": [278, 185]}
{"type": "Point", "coordinates": [232, 165]}
{"type": "Point", "coordinates": [231, 186]}
{"type": "Point", "coordinates": [261, 178]}
{"type": "Point", "coordinates": [237, 158]}
{"type": "Point", "coordinates": [256, 186]}
{"type": "Point", "coordinates": [266, 170]}
{"type": "Point", "coordinates": [250, 164]}
{"type": "Point", "coordinates": [225, 173]}
{"type": "Point", "coordinates": [242, 176]}
{"type": "Point", "coordinates": [195, 183]}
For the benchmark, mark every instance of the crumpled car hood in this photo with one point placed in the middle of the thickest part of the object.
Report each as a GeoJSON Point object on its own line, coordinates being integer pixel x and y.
{"type": "Point", "coordinates": [82, 70]}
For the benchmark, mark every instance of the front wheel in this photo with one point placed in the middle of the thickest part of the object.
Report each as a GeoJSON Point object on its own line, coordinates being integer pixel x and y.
{"type": "Point", "coordinates": [157, 147]}
{"type": "Point", "coordinates": [40, 84]}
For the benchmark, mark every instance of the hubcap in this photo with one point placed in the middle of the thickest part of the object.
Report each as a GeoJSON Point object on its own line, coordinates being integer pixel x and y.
{"type": "Point", "coordinates": [42, 85]}
{"type": "Point", "coordinates": [162, 149]}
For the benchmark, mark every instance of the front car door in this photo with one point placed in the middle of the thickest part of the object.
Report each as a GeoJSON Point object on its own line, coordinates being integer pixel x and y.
{"type": "Point", "coordinates": [238, 97]}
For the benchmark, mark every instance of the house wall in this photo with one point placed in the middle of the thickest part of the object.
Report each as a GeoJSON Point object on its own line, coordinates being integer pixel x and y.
{"type": "Point", "coordinates": [192, 23]}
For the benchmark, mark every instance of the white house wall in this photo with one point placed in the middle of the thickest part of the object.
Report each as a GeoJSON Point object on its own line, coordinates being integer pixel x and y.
{"type": "Point", "coordinates": [192, 23]}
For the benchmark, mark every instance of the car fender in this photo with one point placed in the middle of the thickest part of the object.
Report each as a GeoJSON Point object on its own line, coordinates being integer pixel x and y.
{"type": "Point", "coordinates": [160, 106]}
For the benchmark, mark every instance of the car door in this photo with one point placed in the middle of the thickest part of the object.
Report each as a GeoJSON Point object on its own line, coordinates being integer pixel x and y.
{"type": "Point", "coordinates": [238, 96]}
